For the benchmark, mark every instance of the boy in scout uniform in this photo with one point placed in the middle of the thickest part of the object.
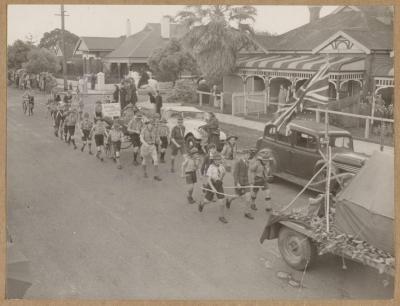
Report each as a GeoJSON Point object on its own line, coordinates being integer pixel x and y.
{"type": "Point", "coordinates": [163, 132]}
{"type": "Point", "coordinates": [148, 138]}
{"type": "Point", "coordinates": [189, 170]}
{"type": "Point", "coordinates": [177, 141]}
{"type": "Point", "coordinates": [134, 128]}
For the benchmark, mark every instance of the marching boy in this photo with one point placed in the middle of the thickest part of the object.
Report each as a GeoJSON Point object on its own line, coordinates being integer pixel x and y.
{"type": "Point", "coordinates": [116, 139]}
{"type": "Point", "coordinates": [98, 131]}
{"type": "Point", "coordinates": [241, 181]}
{"type": "Point", "coordinates": [148, 138]}
{"type": "Point", "coordinates": [259, 173]}
{"type": "Point", "coordinates": [72, 118]}
{"type": "Point", "coordinates": [189, 169]}
{"type": "Point", "coordinates": [215, 175]}
{"type": "Point", "coordinates": [177, 141]}
{"type": "Point", "coordinates": [163, 132]}
{"type": "Point", "coordinates": [134, 128]}
{"type": "Point", "coordinates": [86, 126]}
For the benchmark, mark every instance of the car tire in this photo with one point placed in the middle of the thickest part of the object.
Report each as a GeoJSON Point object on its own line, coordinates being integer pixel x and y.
{"type": "Point", "coordinates": [296, 249]}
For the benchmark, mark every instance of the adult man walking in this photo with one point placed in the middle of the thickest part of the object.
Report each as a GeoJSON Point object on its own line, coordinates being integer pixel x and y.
{"type": "Point", "coordinates": [177, 141]}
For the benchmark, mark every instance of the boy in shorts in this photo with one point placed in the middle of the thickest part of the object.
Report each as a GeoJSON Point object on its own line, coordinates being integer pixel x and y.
{"type": "Point", "coordinates": [241, 181]}
{"type": "Point", "coordinates": [189, 169]}
{"type": "Point", "coordinates": [163, 132]}
{"type": "Point", "coordinates": [86, 126]}
{"type": "Point", "coordinates": [177, 141]}
{"type": "Point", "coordinates": [98, 131]}
{"type": "Point", "coordinates": [206, 161]}
{"type": "Point", "coordinates": [98, 110]}
{"type": "Point", "coordinates": [134, 128]}
{"type": "Point", "coordinates": [72, 118]}
{"type": "Point", "coordinates": [259, 173]}
{"type": "Point", "coordinates": [215, 175]}
{"type": "Point", "coordinates": [148, 138]}
{"type": "Point", "coordinates": [116, 139]}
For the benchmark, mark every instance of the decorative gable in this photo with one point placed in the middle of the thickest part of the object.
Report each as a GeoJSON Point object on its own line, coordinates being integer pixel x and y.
{"type": "Point", "coordinates": [341, 43]}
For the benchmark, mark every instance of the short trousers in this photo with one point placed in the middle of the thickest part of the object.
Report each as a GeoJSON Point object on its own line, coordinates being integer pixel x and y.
{"type": "Point", "coordinates": [218, 187]}
{"type": "Point", "coordinates": [191, 177]}
{"type": "Point", "coordinates": [98, 114]}
{"type": "Point", "coordinates": [71, 129]}
{"type": "Point", "coordinates": [242, 191]}
{"type": "Point", "coordinates": [116, 145]}
{"type": "Point", "coordinates": [135, 138]}
{"type": "Point", "coordinates": [65, 129]}
{"type": "Point", "coordinates": [99, 140]}
{"type": "Point", "coordinates": [259, 181]}
{"type": "Point", "coordinates": [164, 142]}
{"type": "Point", "coordinates": [149, 151]}
{"type": "Point", "coordinates": [86, 135]}
{"type": "Point", "coordinates": [175, 149]}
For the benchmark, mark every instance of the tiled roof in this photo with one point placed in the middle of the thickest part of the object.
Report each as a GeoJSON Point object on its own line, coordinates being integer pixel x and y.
{"type": "Point", "coordinates": [142, 44]}
{"type": "Point", "coordinates": [366, 29]}
{"type": "Point", "coordinates": [102, 43]}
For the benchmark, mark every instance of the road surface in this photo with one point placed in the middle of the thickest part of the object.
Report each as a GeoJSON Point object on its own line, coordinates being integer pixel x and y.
{"type": "Point", "coordinates": [91, 231]}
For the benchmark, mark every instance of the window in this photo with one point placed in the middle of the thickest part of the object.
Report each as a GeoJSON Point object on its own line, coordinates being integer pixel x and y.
{"type": "Point", "coordinates": [341, 142]}
{"type": "Point", "coordinates": [270, 131]}
{"type": "Point", "coordinates": [306, 141]}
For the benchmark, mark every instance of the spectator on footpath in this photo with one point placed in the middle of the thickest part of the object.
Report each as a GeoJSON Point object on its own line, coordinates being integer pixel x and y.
{"type": "Point", "coordinates": [98, 110]}
{"type": "Point", "coordinates": [259, 174]}
{"type": "Point", "coordinates": [134, 129]}
{"type": "Point", "coordinates": [81, 106]}
{"type": "Point", "coordinates": [282, 97]}
{"type": "Point", "coordinates": [98, 131]}
{"type": "Point", "coordinates": [70, 86]}
{"type": "Point", "coordinates": [177, 141]}
{"type": "Point", "coordinates": [86, 128]}
{"type": "Point", "coordinates": [93, 81]}
{"type": "Point", "coordinates": [122, 95]}
{"type": "Point", "coordinates": [241, 182]}
{"type": "Point", "coordinates": [158, 102]}
{"type": "Point", "coordinates": [116, 94]}
{"type": "Point", "coordinates": [148, 138]}
{"type": "Point", "coordinates": [214, 186]}
{"type": "Point", "coordinates": [189, 170]}
{"type": "Point", "coordinates": [116, 140]}
{"type": "Point", "coordinates": [212, 129]}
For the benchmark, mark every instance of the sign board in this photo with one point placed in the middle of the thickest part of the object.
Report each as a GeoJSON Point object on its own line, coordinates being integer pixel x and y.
{"type": "Point", "coordinates": [111, 110]}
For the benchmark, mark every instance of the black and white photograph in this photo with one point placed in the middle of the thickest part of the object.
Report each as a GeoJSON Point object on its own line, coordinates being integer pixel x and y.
{"type": "Point", "coordinates": [200, 152]}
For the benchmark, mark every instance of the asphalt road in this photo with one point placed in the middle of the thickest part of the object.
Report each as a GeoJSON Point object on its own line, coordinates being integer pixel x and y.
{"type": "Point", "coordinates": [92, 231]}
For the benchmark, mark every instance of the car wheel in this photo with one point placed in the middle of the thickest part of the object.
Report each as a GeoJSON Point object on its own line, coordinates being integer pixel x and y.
{"type": "Point", "coordinates": [297, 249]}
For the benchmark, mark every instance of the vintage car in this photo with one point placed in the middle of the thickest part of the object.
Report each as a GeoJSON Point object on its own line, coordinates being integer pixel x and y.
{"type": "Point", "coordinates": [296, 153]}
{"type": "Point", "coordinates": [193, 119]}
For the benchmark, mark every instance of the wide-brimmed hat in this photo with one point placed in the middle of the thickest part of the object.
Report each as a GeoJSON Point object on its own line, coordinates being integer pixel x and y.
{"type": "Point", "coordinates": [232, 136]}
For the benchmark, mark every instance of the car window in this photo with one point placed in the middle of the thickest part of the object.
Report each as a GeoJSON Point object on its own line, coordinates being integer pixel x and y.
{"type": "Point", "coordinates": [306, 141]}
{"type": "Point", "coordinates": [270, 131]}
{"type": "Point", "coordinates": [340, 142]}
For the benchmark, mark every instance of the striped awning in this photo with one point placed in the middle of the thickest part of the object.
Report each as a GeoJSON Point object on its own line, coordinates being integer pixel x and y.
{"type": "Point", "coordinates": [298, 62]}
{"type": "Point", "coordinates": [384, 71]}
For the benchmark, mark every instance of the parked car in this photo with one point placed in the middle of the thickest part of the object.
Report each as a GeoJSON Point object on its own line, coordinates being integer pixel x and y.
{"type": "Point", "coordinates": [296, 153]}
{"type": "Point", "coordinates": [193, 119]}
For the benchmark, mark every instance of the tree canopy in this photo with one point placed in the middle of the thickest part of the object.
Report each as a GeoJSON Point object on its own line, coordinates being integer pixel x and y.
{"type": "Point", "coordinates": [170, 62]}
{"type": "Point", "coordinates": [40, 60]}
{"type": "Point", "coordinates": [51, 40]}
{"type": "Point", "coordinates": [216, 35]}
{"type": "Point", "coordinates": [17, 53]}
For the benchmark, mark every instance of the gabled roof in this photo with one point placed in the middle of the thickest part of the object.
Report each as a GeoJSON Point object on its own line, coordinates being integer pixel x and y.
{"type": "Point", "coordinates": [100, 43]}
{"type": "Point", "coordinates": [141, 44]}
{"type": "Point", "coordinates": [359, 24]}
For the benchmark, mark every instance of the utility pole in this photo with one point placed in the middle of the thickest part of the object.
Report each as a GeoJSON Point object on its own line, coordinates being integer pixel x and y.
{"type": "Point", "coordinates": [64, 60]}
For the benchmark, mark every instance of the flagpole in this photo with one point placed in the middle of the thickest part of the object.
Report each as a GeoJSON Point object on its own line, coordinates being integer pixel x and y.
{"type": "Point", "coordinates": [328, 155]}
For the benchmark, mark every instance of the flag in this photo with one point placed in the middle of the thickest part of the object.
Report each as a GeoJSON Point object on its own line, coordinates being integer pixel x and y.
{"type": "Point", "coordinates": [313, 90]}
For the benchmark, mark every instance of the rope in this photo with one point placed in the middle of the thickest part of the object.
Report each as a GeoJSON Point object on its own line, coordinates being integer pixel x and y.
{"type": "Point", "coordinates": [225, 194]}
{"type": "Point", "coordinates": [251, 186]}
{"type": "Point", "coordinates": [333, 177]}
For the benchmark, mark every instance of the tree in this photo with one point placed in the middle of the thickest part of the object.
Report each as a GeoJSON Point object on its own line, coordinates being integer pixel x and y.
{"type": "Point", "coordinates": [170, 62]}
{"type": "Point", "coordinates": [51, 40]}
{"type": "Point", "coordinates": [17, 54]}
{"type": "Point", "coordinates": [42, 60]}
{"type": "Point", "coordinates": [216, 35]}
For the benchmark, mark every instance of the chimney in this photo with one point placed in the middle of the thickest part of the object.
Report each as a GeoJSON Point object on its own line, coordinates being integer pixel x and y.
{"type": "Point", "coordinates": [165, 27]}
{"type": "Point", "coordinates": [128, 28]}
{"type": "Point", "coordinates": [314, 12]}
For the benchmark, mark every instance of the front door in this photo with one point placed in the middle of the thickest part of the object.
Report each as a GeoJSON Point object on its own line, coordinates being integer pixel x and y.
{"type": "Point", "coordinates": [304, 155]}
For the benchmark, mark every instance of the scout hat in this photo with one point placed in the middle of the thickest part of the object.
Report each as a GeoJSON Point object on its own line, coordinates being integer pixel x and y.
{"type": "Point", "coordinates": [232, 136]}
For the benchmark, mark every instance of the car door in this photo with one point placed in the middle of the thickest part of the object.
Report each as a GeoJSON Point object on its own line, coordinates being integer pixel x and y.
{"type": "Point", "coordinates": [304, 154]}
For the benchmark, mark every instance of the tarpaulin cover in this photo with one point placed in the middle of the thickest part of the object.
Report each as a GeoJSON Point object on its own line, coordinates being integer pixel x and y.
{"type": "Point", "coordinates": [365, 208]}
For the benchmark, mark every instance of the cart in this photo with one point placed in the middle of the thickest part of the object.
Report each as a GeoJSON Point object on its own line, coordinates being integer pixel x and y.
{"type": "Point", "coordinates": [361, 222]}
